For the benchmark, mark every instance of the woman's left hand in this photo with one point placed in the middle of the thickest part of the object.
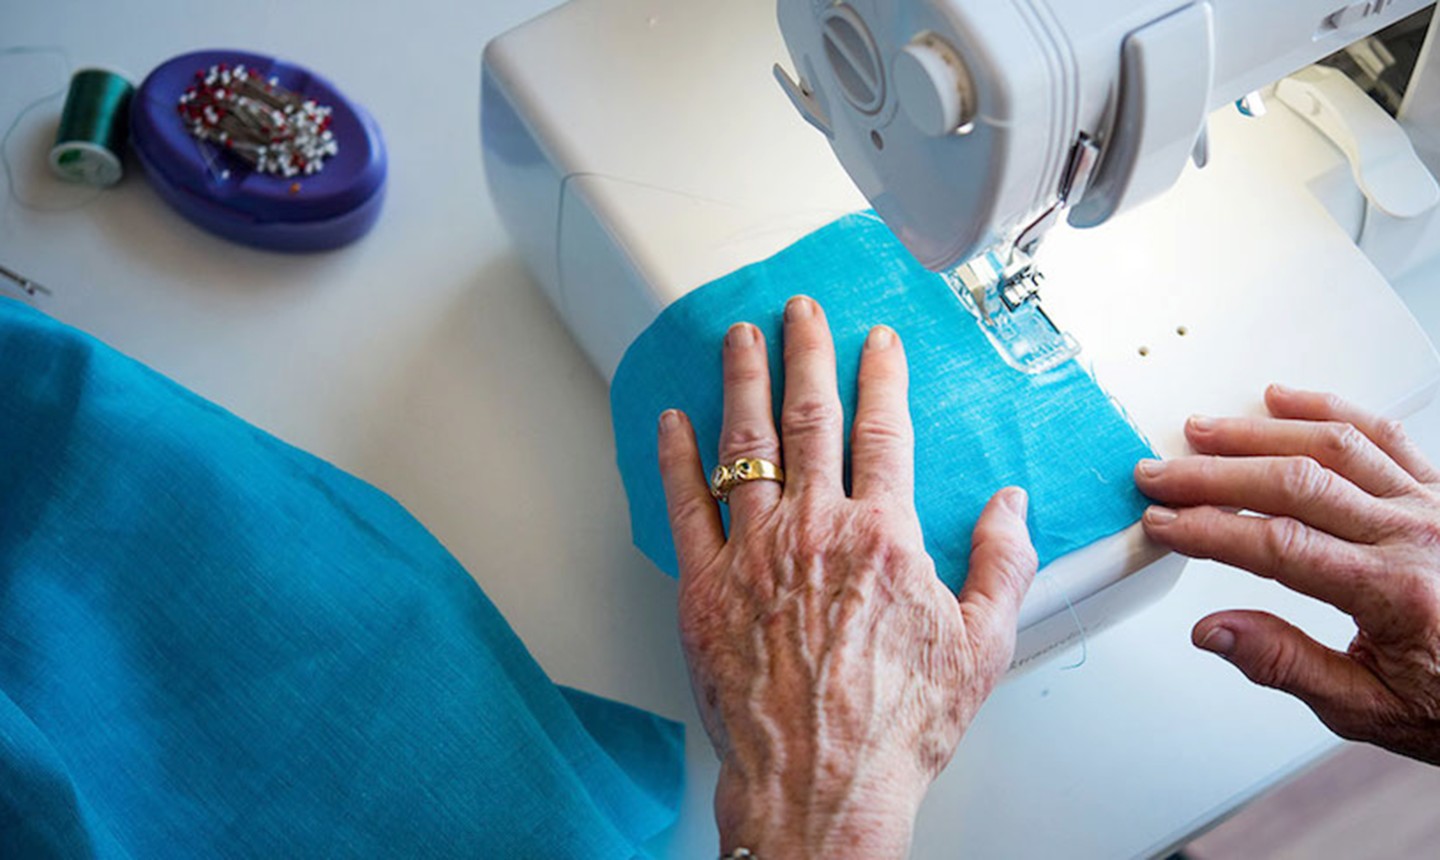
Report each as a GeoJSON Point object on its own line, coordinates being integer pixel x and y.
{"type": "Point", "coordinates": [834, 672]}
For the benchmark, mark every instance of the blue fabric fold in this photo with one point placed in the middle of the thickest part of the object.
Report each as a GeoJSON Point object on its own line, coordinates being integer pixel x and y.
{"type": "Point", "coordinates": [980, 425]}
{"type": "Point", "coordinates": [213, 644]}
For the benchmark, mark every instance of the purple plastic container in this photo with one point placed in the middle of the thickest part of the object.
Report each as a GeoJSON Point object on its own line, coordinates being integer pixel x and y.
{"type": "Point", "coordinates": [222, 193]}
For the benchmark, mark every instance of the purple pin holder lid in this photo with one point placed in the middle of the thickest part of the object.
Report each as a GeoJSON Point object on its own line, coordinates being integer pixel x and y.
{"type": "Point", "coordinates": [221, 192]}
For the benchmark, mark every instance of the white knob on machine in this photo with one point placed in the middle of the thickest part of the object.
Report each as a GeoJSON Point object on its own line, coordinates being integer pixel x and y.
{"type": "Point", "coordinates": [933, 86]}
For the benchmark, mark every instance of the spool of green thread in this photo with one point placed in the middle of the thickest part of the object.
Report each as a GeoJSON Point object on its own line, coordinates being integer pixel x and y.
{"type": "Point", "coordinates": [90, 143]}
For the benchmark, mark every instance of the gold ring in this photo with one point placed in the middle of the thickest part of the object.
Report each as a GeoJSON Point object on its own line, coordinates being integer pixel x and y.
{"type": "Point", "coordinates": [727, 477]}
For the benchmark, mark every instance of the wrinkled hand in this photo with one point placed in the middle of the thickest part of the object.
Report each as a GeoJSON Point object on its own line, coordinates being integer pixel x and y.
{"type": "Point", "coordinates": [1352, 518]}
{"type": "Point", "coordinates": [834, 672]}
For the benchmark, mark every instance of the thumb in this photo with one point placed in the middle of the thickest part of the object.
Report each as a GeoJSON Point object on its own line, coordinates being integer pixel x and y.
{"type": "Point", "coordinates": [1275, 653]}
{"type": "Point", "coordinates": [1002, 563]}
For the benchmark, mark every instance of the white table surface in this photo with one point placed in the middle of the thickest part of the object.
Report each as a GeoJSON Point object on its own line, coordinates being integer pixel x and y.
{"type": "Point", "coordinates": [424, 360]}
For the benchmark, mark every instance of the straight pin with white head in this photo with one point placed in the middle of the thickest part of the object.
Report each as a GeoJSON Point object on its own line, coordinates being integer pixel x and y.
{"type": "Point", "coordinates": [274, 129]}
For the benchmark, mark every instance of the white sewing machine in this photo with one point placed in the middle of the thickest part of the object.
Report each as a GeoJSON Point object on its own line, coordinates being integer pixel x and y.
{"type": "Point", "coordinates": [638, 149]}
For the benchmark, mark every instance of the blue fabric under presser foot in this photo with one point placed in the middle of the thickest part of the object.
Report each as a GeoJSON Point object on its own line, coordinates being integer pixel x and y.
{"type": "Point", "coordinates": [215, 645]}
{"type": "Point", "coordinates": [980, 425]}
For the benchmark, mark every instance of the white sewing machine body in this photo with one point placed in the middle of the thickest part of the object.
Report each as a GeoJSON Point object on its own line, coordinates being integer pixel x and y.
{"type": "Point", "coordinates": [965, 122]}
{"type": "Point", "coordinates": [639, 149]}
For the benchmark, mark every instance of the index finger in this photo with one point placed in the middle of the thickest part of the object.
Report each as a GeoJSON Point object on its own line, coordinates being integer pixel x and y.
{"type": "Point", "coordinates": [882, 441]}
{"type": "Point", "coordinates": [1297, 487]}
{"type": "Point", "coordinates": [1280, 548]}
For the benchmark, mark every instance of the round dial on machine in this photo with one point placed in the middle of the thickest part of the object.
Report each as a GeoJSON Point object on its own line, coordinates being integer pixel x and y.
{"type": "Point", "coordinates": [933, 86]}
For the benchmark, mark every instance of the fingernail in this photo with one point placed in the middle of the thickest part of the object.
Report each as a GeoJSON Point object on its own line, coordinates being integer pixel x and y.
{"type": "Point", "coordinates": [1150, 468]}
{"type": "Point", "coordinates": [669, 420]}
{"type": "Point", "coordinates": [740, 334]}
{"type": "Point", "coordinates": [1017, 501]}
{"type": "Point", "coordinates": [799, 307]}
{"type": "Point", "coordinates": [1157, 515]}
{"type": "Point", "coordinates": [880, 337]}
{"type": "Point", "coordinates": [1277, 388]}
{"type": "Point", "coordinates": [1202, 423]}
{"type": "Point", "coordinates": [1220, 640]}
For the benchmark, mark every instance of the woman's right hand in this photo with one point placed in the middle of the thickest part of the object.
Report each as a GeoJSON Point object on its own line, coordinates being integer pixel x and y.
{"type": "Point", "coordinates": [1352, 517]}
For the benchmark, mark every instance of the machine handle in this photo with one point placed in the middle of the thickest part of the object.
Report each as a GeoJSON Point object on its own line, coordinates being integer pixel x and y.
{"type": "Point", "coordinates": [1381, 157]}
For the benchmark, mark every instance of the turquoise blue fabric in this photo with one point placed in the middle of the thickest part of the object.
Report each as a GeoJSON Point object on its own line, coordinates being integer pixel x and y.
{"type": "Point", "coordinates": [979, 424]}
{"type": "Point", "coordinates": [215, 645]}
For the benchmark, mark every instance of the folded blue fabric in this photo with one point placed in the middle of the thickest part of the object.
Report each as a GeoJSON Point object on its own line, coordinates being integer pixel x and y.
{"type": "Point", "coordinates": [213, 644]}
{"type": "Point", "coordinates": [979, 424]}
